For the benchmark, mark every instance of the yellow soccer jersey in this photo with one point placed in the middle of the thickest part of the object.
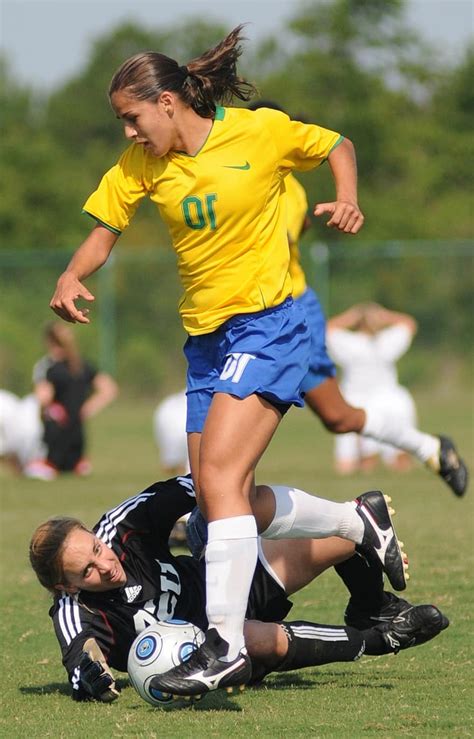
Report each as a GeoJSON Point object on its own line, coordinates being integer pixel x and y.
{"type": "Point", "coordinates": [297, 208]}
{"type": "Point", "coordinates": [223, 207]}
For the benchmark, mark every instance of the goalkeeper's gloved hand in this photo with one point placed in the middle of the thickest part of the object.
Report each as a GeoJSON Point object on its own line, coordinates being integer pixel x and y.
{"type": "Point", "coordinates": [96, 679]}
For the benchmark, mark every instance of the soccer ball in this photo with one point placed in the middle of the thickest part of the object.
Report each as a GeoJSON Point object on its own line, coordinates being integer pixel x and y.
{"type": "Point", "coordinates": [157, 649]}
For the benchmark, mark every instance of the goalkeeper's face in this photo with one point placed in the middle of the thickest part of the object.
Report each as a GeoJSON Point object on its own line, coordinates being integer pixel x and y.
{"type": "Point", "coordinates": [88, 564]}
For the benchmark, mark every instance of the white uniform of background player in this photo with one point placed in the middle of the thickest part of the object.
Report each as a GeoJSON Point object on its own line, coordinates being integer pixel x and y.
{"type": "Point", "coordinates": [169, 431]}
{"type": "Point", "coordinates": [369, 380]}
{"type": "Point", "coordinates": [21, 430]}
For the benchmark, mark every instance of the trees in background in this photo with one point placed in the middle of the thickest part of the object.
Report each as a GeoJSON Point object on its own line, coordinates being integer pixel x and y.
{"type": "Point", "coordinates": [350, 65]}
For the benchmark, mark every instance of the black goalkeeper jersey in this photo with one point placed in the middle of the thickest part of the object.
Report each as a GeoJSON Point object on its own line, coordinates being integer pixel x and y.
{"type": "Point", "coordinates": [159, 585]}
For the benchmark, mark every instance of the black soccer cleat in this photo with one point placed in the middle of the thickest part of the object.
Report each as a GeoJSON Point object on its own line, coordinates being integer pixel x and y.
{"type": "Point", "coordinates": [451, 467]}
{"type": "Point", "coordinates": [380, 542]}
{"type": "Point", "coordinates": [360, 618]}
{"type": "Point", "coordinates": [416, 625]}
{"type": "Point", "coordinates": [205, 670]}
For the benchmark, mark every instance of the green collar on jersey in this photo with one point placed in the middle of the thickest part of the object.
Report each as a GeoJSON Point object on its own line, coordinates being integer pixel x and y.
{"type": "Point", "coordinates": [218, 116]}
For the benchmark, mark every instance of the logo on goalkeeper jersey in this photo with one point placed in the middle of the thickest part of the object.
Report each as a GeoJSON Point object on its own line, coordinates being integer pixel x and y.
{"type": "Point", "coordinates": [235, 365]}
{"type": "Point", "coordinates": [132, 592]}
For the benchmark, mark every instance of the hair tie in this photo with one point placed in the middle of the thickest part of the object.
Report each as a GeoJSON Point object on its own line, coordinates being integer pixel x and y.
{"type": "Point", "coordinates": [184, 70]}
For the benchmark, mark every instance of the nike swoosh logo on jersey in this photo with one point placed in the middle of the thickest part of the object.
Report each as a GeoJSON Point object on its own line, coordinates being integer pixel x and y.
{"type": "Point", "coordinates": [237, 166]}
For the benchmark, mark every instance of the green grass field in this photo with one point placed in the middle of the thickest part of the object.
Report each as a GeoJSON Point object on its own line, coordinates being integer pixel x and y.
{"type": "Point", "coordinates": [423, 692]}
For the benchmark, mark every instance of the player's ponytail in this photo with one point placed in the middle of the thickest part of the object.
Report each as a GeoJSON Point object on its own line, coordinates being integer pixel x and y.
{"type": "Point", "coordinates": [209, 79]}
{"type": "Point", "coordinates": [46, 548]}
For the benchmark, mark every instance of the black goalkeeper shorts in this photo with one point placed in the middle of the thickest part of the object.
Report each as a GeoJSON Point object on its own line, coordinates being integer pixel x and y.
{"type": "Point", "coordinates": [267, 599]}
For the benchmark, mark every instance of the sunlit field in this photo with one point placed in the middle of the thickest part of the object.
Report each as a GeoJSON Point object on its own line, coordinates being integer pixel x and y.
{"type": "Point", "coordinates": [423, 692]}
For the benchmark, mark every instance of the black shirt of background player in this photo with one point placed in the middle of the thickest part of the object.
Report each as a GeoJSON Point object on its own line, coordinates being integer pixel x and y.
{"type": "Point", "coordinates": [65, 438]}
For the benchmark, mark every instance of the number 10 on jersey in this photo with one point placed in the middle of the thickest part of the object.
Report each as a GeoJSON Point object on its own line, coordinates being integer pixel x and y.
{"type": "Point", "coordinates": [199, 212]}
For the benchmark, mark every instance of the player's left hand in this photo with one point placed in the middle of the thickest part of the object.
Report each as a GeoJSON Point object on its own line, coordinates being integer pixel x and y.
{"type": "Point", "coordinates": [95, 676]}
{"type": "Point", "coordinates": [345, 216]}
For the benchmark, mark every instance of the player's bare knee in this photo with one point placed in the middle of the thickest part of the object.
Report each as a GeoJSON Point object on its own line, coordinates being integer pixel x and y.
{"type": "Point", "coordinates": [216, 479]}
{"type": "Point", "coordinates": [336, 423]}
{"type": "Point", "coordinates": [342, 422]}
{"type": "Point", "coordinates": [209, 479]}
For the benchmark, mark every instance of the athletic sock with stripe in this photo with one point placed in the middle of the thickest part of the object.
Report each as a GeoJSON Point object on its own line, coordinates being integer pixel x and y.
{"type": "Point", "coordinates": [311, 644]}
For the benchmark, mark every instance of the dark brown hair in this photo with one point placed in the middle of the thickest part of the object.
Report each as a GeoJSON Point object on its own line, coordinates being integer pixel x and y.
{"type": "Point", "coordinates": [209, 79]}
{"type": "Point", "coordinates": [46, 548]}
{"type": "Point", "coordinates": [63, 336]}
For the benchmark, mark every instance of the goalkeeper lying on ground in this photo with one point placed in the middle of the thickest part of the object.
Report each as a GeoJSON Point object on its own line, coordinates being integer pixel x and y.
{"type": "Point", "coordinates": [112, 582]}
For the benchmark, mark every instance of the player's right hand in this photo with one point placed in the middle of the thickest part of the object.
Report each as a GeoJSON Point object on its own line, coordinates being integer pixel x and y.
{"type": "Point", "coordinates": [68, 290]}
{"type": "Point", "coordinates": [96, 681]}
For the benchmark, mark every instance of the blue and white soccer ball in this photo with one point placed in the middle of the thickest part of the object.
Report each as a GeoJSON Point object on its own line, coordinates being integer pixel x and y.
{"type": "Point", "coordinates": [157, 649]}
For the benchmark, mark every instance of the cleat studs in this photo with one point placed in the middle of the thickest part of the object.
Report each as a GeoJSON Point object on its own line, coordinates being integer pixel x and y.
{"type": "Point", "coordinates": [187, 698]}
{"type": "Point", "coordinates": [391, 511]}
{"type": "Point", "coordinates": [401, 545]}
{"type": "Point", "coordinates": [387, 498]}
{"type": "Point", "coordinates": [229, 691]}
{"type": "Point", "coordinates": [241, 688]}
{"type": "Point", "coordinates": [407, 575]}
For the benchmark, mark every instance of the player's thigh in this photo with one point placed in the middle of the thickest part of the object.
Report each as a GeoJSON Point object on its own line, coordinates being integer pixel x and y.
{"type": "Point", "coordinates": [236, 433]}
{"type": "Point", "coordinates": [296, 562]}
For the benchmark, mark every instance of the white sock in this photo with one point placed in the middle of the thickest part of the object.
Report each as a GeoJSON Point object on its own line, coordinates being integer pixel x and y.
{"type": "Point", "coordinates": [299, 515]}
{"type": "Point", "coordinates": [383, 427]}
{"type": "Point", "coordinates": [231, 557]}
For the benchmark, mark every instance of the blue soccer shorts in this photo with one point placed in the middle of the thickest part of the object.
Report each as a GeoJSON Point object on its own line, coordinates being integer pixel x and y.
{"type": "Point", "coordinates": [321, 365]}
{"type": "Point", "coordinates": [265, 353]}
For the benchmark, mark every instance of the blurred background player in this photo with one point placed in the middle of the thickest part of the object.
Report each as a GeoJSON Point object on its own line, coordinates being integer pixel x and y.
{"type": "Point", "coordinates": [169, 433]}
{"type": "Point", "coordinates": [366, 341]}
{"type": "Point", "coordinates": [70, 391]}
{"type": "Point", "coordinates": [322, 392]}
{"type": "Point", "coordinates": [21, 431]}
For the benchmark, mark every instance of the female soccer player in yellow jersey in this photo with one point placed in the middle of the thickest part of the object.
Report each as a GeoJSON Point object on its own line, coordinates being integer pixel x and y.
{"type": "Point", "coordinates": [217, 176]}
